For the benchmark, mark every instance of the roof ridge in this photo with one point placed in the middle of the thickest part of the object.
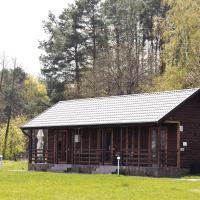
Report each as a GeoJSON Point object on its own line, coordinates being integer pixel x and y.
{"type": "Point", "coordinates": [129, 95]}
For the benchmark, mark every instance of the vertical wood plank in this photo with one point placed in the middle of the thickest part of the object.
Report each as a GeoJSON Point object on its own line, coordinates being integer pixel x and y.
{"type": "Point", "coordinates": [30, 146]}
{"type": "Point", "coordinates": [98, 139]}
{"type": "Point", "coordinates": [126, 146]}
{"type": "Point", "coordinates": [139, 131]}
{"type": "Point", "coordinates": [81, 136]}
{"type": "Point", "coordinates": [54, 147]}
{"type": "Point", "coordinates": [98, 147]}
{"type": "Point", "coordinates": [166, 148]}
{"type": "Point", "coordinates": [158, 146]}
{"type": "Point", "coordinates": [89, 144]}
{"type": "Point", "coordinates": [149, 148]}
{"type": "Point", "coordinates": [73, 149]}
{"type": "Point", "coordinates": [66, 146]}
{"type": "Point", "coordinates": [75, 153]}
{"type": "Point", "coordinates": [132, 141]}
{"type": "Point", "coordinates": [178, 145]}
{"type": "Point", "coordinates": [111, 146]}
{"type": "Point", "coordinates": [46, 147]}
{"type": "Point", "coordinates": [102, 145]}
{"type": "Point", "coordinates": [121, 145]}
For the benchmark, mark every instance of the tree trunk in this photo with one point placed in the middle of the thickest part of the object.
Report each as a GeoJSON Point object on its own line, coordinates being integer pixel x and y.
{"type": "Point", "coordinates": [77, 72]}
{"type": "Point", "coordinates": [94, 52]}
{"type": "Point", "coordinates": [2, 73]}
{"type": "Point", "coordinates": [119, 72]}
{"type": "Point", "coordinates": [6, 135]}
{"type": "Point", "coordinates": [10, 111]}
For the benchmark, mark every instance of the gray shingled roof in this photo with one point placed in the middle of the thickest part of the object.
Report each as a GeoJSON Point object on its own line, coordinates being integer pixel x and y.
{"type": "Point", "coordinates": [136, 108]}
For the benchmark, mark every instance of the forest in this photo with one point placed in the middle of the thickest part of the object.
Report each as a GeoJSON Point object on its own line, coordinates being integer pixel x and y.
{"type": "Point", "coordinates": [101, 48]}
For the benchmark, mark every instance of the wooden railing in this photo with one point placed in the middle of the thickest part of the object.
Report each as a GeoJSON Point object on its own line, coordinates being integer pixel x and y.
{"type": "Point", "coordinates": [39, 155]}
{"type": "Point", "coordinates": [142, 158]}
{"type": "Point", "coordinates": [99, 156]}
{"type": "Point", "coordinates": [86, 157]}
{"type": "Point", "coordinates": [145, 158]}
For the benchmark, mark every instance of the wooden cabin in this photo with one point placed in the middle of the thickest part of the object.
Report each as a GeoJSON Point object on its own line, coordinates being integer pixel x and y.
{"type": "Point", "coordinates": [155, 134]}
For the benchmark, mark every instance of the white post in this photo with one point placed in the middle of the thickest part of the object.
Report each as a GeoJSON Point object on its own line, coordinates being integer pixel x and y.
{"type": "Point", "coordinates": [118, 159]}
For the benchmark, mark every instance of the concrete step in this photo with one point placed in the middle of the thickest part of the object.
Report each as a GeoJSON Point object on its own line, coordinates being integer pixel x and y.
{"type": "Point", "coordinates": [60, 168]}
{"type": "Point", "coordinates": [105, 170]}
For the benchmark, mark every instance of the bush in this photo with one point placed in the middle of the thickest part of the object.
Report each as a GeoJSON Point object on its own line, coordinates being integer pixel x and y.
{"type": "Point", "coordinates": [16, 143]}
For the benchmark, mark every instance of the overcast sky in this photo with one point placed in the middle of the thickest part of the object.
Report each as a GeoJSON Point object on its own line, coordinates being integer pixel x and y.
{"type": "Point", "coordinates": [21, 29]}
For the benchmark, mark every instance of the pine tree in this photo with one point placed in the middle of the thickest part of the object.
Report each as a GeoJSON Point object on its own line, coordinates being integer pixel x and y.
{"type": "Point", "coordinates": [64, 60]}
{"type": "Point", "coordinates": [94, 29]}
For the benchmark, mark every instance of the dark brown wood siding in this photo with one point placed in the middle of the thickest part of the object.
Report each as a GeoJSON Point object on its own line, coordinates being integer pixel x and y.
{"type": "Point", "coordinates": [171, 145]}
{"type": "Point", "coordinates": [51, 154]}
{"type": "Point", "coordinates": [189, 116]}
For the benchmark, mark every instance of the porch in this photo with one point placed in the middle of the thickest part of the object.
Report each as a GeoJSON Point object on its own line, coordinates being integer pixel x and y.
{"type": "Point", "coordinates": [137, 146]}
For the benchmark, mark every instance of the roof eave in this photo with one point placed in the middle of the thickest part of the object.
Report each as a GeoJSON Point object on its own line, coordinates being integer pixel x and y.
{"type": "Point", "coordinates": [92, 125]}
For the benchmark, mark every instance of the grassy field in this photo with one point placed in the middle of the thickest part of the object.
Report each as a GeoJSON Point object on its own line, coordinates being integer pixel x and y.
{"type": "Point", "coordinates": [23, 185]}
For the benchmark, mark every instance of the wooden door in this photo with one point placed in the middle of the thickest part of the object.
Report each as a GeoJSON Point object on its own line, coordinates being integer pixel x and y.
{"type": "Point", "coordinates": [108, 147]}
{"type": "Point", "coordinates": [61, 146]}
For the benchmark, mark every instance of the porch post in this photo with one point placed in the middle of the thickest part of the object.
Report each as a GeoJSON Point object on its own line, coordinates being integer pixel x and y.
{"type": "Point", "coordinates": [45, 150]}
{"type": "Point", "coordinates": [139, 130]}
{"type": "Point", "coordinates": [30, 147]}
{"type": "Point", "coordinates": [178, 145]}
{"type": "Point", "coordinates": [73, 146]}
{"type": "Point", "coordinates": [66, 148]}
{"type": "Point", "coordinates": [133, 148]}
{"type": "Point", "coordinates": [79, 152]}
{"type": "Point", "coordinates": [149, 147]}
{"type": "Point", "coordinates": [158, 146]}
{"type": "Point", "coordinates": [89, 145]}
{"type": "Point", "coordinates": [55, 146]}
{"type": "Point", "coordinates": [81, 135]}
{"type": "Point", "coordinates": [98, 153]}
{"type": "Point", "coordinates": [102, 144]}
{"type": "Point", "coordinates": [127, 156]}
{"type": "Point", "coordinates": [121, 145]}
{"type": "Point", "coordinates": [75, 155]}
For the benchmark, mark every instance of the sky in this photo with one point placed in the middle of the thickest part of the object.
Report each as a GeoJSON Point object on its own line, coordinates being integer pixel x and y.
{"type": "Point", "coordinates": [21, 29]}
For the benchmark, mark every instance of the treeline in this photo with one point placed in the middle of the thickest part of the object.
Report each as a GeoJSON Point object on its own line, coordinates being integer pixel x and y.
{"type": "Point", "coordinates": [21, 98]}
{"type": "Point", "coordinates": [111, 47]}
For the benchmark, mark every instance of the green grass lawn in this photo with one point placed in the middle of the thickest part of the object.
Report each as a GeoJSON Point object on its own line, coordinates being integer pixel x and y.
{"type": "Point", "coordinates": [57, 186]}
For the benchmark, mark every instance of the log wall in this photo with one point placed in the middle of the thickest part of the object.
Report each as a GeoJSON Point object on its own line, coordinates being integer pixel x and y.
{"type": "Point", "coordinates": [189, 117]}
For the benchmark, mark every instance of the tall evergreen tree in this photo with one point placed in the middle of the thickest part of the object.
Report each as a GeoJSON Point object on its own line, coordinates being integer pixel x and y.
{"type": "Point", "coordinates": [94, 29]}
{"type": "Point", "coordinates": [103, 47]}
{"type": "Point", "coordinates": [65, 60]}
